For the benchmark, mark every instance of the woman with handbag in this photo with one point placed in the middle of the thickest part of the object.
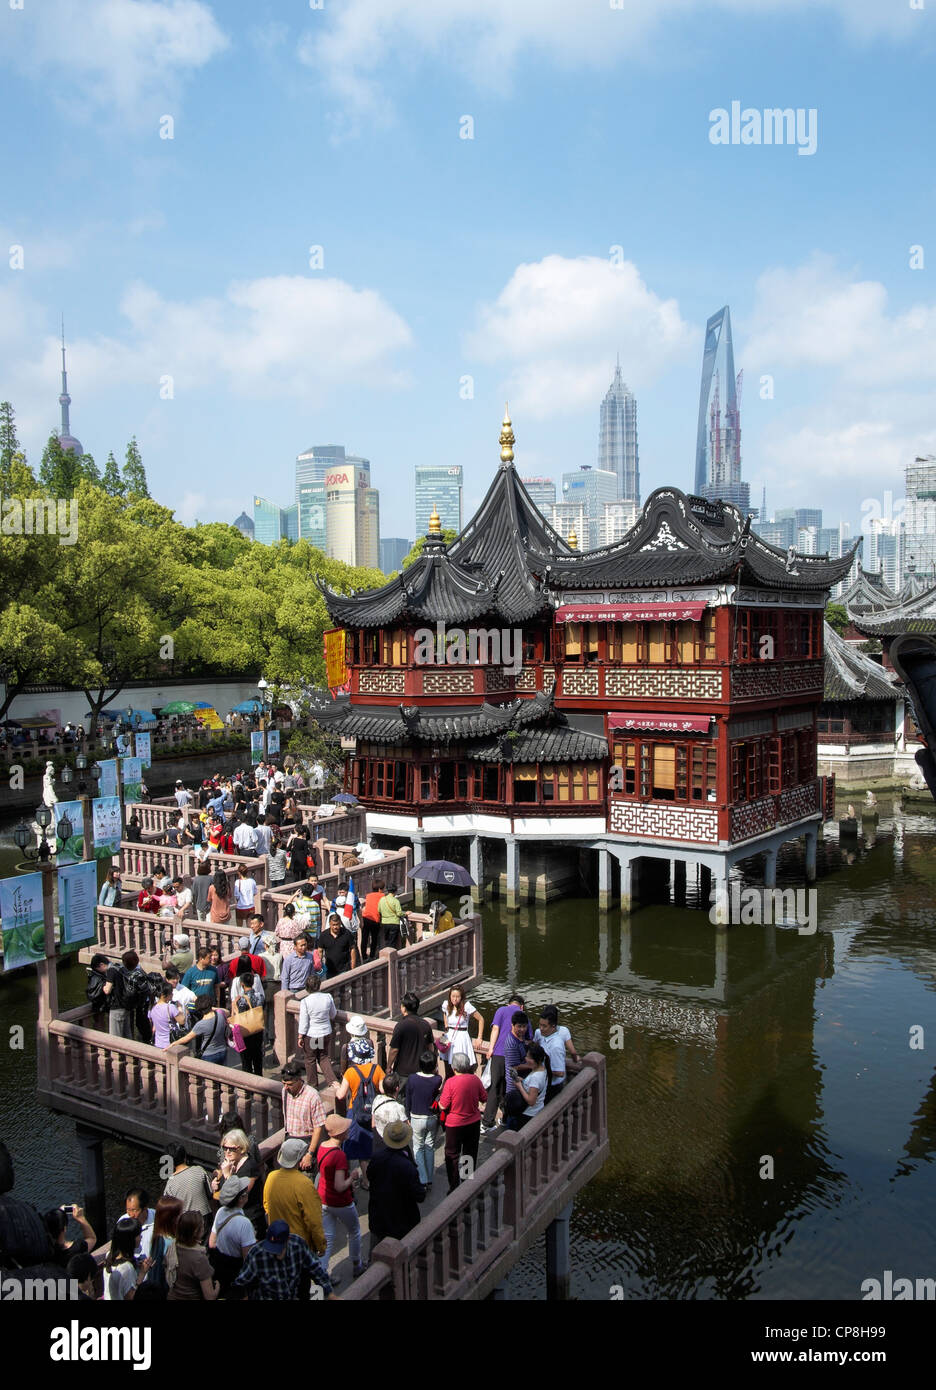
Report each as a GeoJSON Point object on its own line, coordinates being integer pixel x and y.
{"type": "Point", "coordinates": [165, 1017]}
{"type": "Point", "coordinates": [247, 1000]}
{"type": "Point", "coordinates": [237, 1161]}
{"type": "Point", "coordinates": [457, 1011]}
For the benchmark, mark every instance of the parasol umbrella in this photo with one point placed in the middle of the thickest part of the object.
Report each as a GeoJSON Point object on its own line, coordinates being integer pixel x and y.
{"type": "Point", "coordinates": [202, 704]}
{"type": "Point", "coordinates": [178, 707]}
{"type": "Point", "coordinates": [247, 707]}
{"type": "Point", "coordinates": [142, 716]}
{"type": "Point", "coordinates": [345, 799]}
{"type": "Point", "coordinates": [444, 872]}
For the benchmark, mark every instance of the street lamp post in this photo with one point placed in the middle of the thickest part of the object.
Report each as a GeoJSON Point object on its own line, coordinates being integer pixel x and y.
{"type": "Point", "coordinates": [263, 687]}
{"type": "Point", "coordinates": [45, 968]}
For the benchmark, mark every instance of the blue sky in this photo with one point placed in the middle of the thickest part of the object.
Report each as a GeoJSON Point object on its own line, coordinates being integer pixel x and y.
{"type": "Point", "coordinates": [446, 257]}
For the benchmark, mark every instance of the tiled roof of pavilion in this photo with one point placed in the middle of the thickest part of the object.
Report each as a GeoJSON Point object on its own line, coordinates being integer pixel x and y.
{"type": "Point", "coordinates": [405, 723]}
{"type": "Point", "coordinates": [913, 610]}
{"type": "Point", "coordinates": [685, 540]}
{"type": "Point", "coordinates": [867, 591]}
{"type": "Point", "coordinates": [509, 563]}
{"type": "Point", "coordinates": [544, 734]}
{"type": "Point", "coordinates": [851, 674]}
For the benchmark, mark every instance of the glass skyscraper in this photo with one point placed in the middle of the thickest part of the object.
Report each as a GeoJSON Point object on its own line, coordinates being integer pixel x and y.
{"type": "Point", "coordinates": [592, 487]}
{"type": "Point", "coordinates": [542, 494]}
{"type": "Point", "coordinates": [617, 438]}
{"type": "Point", "coordinates": [438, 487]}
{"type": "Point", "coordinates": [718, 436]}
{"type": "Point", "coordinates": [393, 551]}
{"type": "Point", "coordinates": [268, 521]}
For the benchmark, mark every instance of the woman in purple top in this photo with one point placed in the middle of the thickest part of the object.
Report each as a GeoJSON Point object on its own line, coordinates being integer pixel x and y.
{"type": "Point", "coordinates": [160, 1015]}
{"type": "Point", "coordinates": [500, 1032]}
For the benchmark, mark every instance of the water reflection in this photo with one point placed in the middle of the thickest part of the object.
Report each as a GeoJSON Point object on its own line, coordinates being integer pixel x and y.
{"type": "Point", "coordinates": [725, 1048]}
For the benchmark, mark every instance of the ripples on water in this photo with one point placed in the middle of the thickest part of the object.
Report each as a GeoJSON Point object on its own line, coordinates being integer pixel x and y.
{"type": "Point", "coordinates": [737, 1046]}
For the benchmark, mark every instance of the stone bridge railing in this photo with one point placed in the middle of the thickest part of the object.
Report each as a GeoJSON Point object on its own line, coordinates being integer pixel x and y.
{"type": "Point", "coordinates": [429, 969]}
{"type": "Point", "coordinates": [467, 1245]}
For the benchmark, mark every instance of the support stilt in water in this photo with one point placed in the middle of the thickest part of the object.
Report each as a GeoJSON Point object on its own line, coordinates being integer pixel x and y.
{"type": "Point", "coordinates": [558, 1270]}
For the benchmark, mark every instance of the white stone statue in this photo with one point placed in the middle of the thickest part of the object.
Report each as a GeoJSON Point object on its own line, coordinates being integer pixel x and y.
{"type": "Point", "coordinates": [48, 787]}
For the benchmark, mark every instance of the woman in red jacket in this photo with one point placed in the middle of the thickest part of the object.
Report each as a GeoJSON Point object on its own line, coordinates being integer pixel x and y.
{"type": "Point", "coordinates": [460, 1102]}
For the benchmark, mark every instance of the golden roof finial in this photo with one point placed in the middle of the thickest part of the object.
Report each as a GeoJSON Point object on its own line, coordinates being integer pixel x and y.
{"type": "Point", "coordinates": [435, 523]}
{"type": "Point", "coordinates": [572, 538]}
{"type": "Point", "coordinates": [506, 440]}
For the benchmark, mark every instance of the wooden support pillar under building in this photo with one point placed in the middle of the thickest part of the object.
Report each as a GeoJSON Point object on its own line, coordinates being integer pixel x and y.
{"type": "Point", "coordinates": [679, 882]}
{"type": "Point", "coordinates": [419, 886]}
{"type": "Point", "coordinates": [604, 879]}
{"type": "Point", "coordinates": [812, 840]}
{"type": "Point", "coordinates": [91, 1144]}
{"type": "Point", "coordinates": [558, 1265]}
{"type": "Point", "coordinates": [513, 873]}
{"type": "Point", "coordinates": [770, 868]}
{"type": "Point", "coordinates": [476, 868]}
{"type": "Point", "coordinates": [628, 881]}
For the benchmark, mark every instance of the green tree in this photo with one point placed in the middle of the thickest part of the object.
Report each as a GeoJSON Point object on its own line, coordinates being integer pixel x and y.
{"type": "Point", "coordinates": [36, 649]}
{"type": "Point", "coordinates": [836, 617]}
{"type": "Point", "coordinates": [112, 482]}
{"type": "Point", "coordinates": [134, 474]}
{"type": "Point", "coordinates": [113, 590]}
{"type": "Point", "coordinates": [60, 471]}
{"type": "Point", "coordinates": [9, 444]}
{"type": "Point", "coordinates": [447, 535]}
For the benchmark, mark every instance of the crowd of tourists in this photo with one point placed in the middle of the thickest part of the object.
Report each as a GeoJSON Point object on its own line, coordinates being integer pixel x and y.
{"type": "Point", "coordinates": [270, 1228]}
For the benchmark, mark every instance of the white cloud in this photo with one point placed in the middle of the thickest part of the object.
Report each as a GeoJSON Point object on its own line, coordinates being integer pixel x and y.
{"type": "Point", "coordinates": [558, 323]}
{"type": "Point", "coordinates": [348, 45]}
{"type": "Point", "coordinates": [816, 316]}
{"type": "Point", "coordinates": [278, 337]}
{"type": "Point", "coordinates": [127, 56]}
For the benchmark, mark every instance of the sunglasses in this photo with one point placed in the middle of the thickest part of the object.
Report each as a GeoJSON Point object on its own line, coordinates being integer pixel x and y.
{"type": "Point", "coordinates": [230, 1148]}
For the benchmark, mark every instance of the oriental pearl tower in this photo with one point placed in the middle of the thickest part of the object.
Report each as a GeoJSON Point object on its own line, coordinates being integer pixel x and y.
{"type": "Point", "coordinates": [66, 438]}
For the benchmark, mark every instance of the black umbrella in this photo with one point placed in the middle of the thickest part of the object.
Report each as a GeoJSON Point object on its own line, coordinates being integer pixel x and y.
{"type": "Point", "coordinates": [444, 872]}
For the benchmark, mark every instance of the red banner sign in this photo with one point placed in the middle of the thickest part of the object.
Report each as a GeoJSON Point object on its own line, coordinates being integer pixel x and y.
{"type": "Point", "coordinates": [662, 723]}
{"type": "Point", "coordinates": [630, 613]}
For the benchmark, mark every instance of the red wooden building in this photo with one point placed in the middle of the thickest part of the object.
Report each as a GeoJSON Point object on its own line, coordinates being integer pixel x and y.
{"type": "Point", "coordinates": [656, 699]}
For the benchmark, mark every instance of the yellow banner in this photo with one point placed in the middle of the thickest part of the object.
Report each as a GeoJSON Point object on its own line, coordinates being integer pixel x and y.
{"type": "Point", "coordinates": [337, 675]}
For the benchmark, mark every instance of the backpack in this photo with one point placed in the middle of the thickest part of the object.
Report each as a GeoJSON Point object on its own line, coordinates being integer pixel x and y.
{"type": "Point", "coordinates": [364, 1097]}
{"type": "Point", "coordinates": [94, 991]}
{"type": "Point", "coordinates": [138, 988]}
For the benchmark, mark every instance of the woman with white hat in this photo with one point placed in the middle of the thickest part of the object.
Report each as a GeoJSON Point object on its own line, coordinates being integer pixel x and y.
{"type": "Point", "coordinates": [363, 1082]}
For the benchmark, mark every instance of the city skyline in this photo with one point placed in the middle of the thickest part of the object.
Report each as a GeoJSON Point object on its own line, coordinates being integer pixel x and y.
{"type": "Point", "coordinates": [187, 310]}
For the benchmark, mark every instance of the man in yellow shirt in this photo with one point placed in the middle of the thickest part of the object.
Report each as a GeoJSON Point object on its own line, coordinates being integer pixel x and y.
{"type": "Point", "coordinates": [391, 910]}
{"type": "Point", "coordinates": [290, 1196]}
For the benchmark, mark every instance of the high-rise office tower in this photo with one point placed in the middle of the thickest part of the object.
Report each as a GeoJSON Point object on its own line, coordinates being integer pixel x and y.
{"type": "Point", "coordinates": [352, 517]}
{"type": "Point", "coordinates": [267, 520]}
{"type": "Point", "coordinates": [438, 487]}
{"type": "Point", "coordinates": [593, 487]}
{"type": "Point", "coordinates": [619, 517]}
{"type": "Point", "coordinates": [718, 436]}
{"type": "Point", "coordinates": [617, 437]}
{"type": "Point", "coordinates": [567, 517]}
{"type": "Point", "coordinates": [393, 551]}
{"type": "Point", "coordinates": [314, 466]}
{"type": "Point", "coordinates": [919, 517]}
{"type": "Point", "coordinates": [542, 494]}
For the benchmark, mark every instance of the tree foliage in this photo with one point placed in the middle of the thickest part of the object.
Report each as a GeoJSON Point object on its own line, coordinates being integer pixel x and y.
{"type": "Point", "coordinates": [140, 595]}
{"type": "Point", "coordinates": [836, 617]}
{"type": "Point", "coordinates": [134, 474]}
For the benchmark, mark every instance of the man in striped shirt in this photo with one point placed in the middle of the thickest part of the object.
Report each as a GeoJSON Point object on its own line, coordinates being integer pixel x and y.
{"type": "Point", "coordinates": [303, 1111]}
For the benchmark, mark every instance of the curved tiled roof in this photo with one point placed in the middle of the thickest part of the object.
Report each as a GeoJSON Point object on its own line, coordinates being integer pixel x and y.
{"type": "Point", "coordinates": [384, 724]}
{"type": "Point", "coordinates": [851, 674]}
{"type": "Point", "coordinates": [509, 563]}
